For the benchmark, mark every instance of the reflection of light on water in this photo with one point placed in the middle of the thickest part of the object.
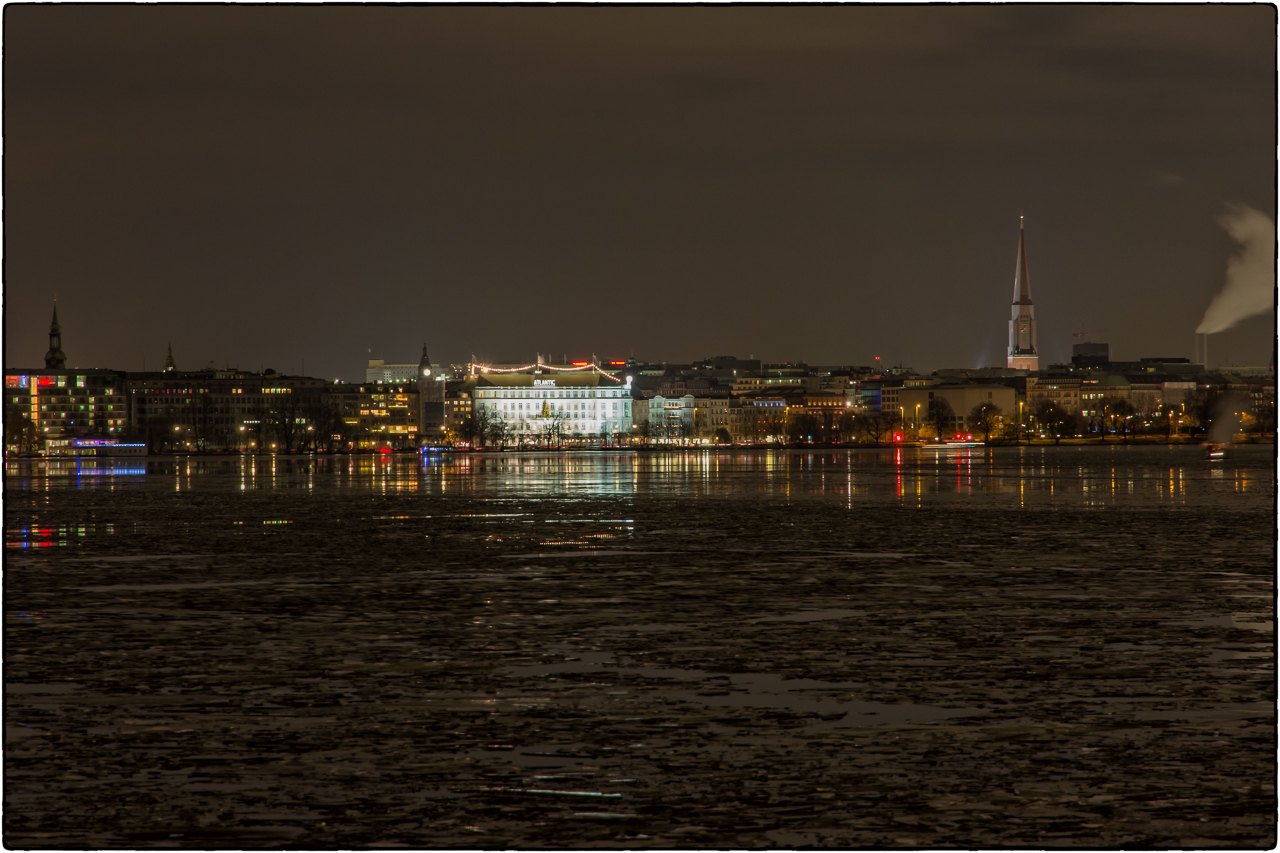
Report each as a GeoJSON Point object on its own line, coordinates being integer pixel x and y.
{"type": "Point", "coordinates": [80, 467]}
{"type": "Point", "coordinates": [1025, 477]}
{"type": "Point", "coordinates": [29, 536]}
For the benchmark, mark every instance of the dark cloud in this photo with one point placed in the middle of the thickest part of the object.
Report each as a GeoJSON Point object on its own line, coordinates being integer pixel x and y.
{"type": "Point", "coordinates": [267, 184]}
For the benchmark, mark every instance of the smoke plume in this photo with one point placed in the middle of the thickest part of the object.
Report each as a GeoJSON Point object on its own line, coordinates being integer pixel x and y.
{"type": "Point", "coordinates": [1251, 281]}
{"type": "Point", "coordinates": [1225, 419]}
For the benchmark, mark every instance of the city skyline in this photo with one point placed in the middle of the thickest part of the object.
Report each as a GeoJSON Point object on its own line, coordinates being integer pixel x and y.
{"type": "Point", "coordinates": [577, 361]}
{"type": "Point", "coordinates": [827, 184]}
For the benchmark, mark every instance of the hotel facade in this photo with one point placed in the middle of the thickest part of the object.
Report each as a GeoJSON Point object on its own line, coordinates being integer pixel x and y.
{"type": "Point", "coordinates": [585, 405]}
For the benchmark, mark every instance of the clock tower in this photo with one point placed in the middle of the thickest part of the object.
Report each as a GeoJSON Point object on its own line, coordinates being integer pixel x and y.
{"type": "Point", "coordinates": [430, 402]}
{"type": "Point", "coordinates": [1022, 322]}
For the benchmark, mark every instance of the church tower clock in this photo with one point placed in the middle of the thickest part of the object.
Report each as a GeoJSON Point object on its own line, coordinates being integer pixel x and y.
{"type": "Point", "coordinates": [430, 401]}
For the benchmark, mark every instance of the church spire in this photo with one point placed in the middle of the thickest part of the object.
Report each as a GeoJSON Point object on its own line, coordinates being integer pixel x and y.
{"type": "Point", "coordinates": [1022, 354]}
{"type": "Point", "coordinates": [1021, 280]}
{"type": "Point", "coordinates": [55, 358]}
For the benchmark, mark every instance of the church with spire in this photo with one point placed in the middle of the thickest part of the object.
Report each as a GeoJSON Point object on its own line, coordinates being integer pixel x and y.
{"type": "Point", "coordinates": [55, 358]}
{"type": "Point", "coordinates": [1022, 323]}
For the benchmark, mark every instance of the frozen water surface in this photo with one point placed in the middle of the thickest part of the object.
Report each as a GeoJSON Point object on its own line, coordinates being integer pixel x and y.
{"type": "Point", "coordinates": [1036, 647]}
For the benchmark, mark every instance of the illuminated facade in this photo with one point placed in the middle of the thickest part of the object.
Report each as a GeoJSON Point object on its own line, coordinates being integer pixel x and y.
{"type": "Point", "coordinates": [671, 418]}
{"type": "Point", "coordinates": [1063, 391]}
{"type": "Point", "coordinates": [1022, 323]}
{"type": "Point", "coordinates": [582, 405]}
{"type": "Point", "coordinates": [60, 403]}
{"type": "Point", "coordinates": [376, 415]}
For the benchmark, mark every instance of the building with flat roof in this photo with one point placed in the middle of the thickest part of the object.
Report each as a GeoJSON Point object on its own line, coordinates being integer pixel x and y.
{"type": "Point", "coordinates": [913, 403]}
{"type": "Point", "coordinates": [48, 404]}
{"type": "Point", "coordinates": [581, 406]}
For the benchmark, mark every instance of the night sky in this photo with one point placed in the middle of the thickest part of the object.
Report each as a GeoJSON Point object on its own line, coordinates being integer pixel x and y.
{"type": "Point", "coordinates": [265, 186]}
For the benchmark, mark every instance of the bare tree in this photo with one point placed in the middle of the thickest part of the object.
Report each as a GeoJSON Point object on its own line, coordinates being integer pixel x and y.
{"type": "Point", "coordinates": [876, 426]}
{"type": "Point", "coordinates": [21, 432]}
{"type": "Point", "coordinates": [466, 430]}
{"type": "Point", "coordinates": [803, 427]}
{"type": "Point", "coordinates": [1053, 418]}
{"type": "Point", "coordinates": [501, 431]}
{"type": "Point", "coordinates": [1165, 420]}
{"type": "Point", "coordinates": [940, 416]}
{"type": "Point", "coordinates": [643, 431]}
{"type": "Point", "coordinates": [1119, 413]}
{"type": "Point", "coordinates": [844, 425]}
{"type": "Point", "coordinates": [983, 418]}
{"type": "Point", "coordinates": [482, 418]}
{"type": "Point", "coordinates": [330, 428]}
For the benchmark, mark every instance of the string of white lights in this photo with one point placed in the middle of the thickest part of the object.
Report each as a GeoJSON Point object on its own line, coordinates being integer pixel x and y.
{"type": "Point", "coordinates": [484, 368]}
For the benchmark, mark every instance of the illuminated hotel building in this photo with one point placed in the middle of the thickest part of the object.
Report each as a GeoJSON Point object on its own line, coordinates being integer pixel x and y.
{"type": "Point", "coordinates": [587, 403]}
{"type": "Point", "coordinates": [59, 402]}
{"type": "Point", "coordinates": [67, 402]}
{"type": "Point", "coordinates": [1022, 323]}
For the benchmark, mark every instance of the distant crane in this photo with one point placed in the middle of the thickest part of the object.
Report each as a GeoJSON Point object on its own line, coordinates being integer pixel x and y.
{"type": "Point", "coordinates": [1083, 334]}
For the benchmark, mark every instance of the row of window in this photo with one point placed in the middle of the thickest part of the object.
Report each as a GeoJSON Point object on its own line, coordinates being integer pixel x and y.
{"type": "Point", "coordinates": [542, 394]}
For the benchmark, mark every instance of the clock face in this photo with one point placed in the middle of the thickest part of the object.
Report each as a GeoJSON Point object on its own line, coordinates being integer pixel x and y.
{"type": "Point", "coordinates": [426, 371]}
{"type": "Point", "coordinates": [1023, 327]}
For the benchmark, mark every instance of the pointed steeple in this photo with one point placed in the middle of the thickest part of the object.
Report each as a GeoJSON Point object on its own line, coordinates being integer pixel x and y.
{"type": "Point", "coordinates": [168, 360]}
{"type": "Point", "coordinates": [55, 358]}
{"type": "Point", "coordinates": [1021, 280]}
{"type": "Point", "coordinates": [1022, 354]}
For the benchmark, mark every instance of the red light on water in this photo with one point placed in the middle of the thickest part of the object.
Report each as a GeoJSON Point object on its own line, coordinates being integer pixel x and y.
{"type": "Point", "coordinates": [897, 438]}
